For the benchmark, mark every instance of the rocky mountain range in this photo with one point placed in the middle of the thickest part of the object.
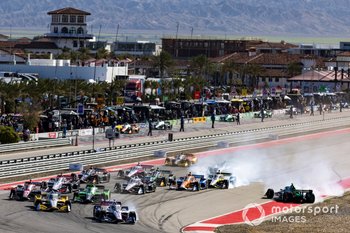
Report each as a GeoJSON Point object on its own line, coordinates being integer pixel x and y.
{"type": "Point", "coordinates": [232, 17]}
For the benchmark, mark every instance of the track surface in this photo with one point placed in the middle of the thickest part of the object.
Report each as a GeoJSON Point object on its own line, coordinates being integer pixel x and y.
{"type": "Point", "coordinates": [307, 160]}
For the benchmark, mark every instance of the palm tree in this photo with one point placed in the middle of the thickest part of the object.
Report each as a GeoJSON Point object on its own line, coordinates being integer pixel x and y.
{"type": "Point", "coordinates": [199, 65]}
{"type": "Point", "coordinates": [254, 71]}
{"type": "Point", "coordinates": [163, 62]}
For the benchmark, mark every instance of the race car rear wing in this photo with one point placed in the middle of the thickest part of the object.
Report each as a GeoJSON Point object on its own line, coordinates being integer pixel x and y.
{"type": "Point", "coordinates": [199, 176]}
{"type": "Point", "coordinates": [165, 171]}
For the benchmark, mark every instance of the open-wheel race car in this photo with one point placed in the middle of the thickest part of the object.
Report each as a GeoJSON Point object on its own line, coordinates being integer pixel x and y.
{"type": "Point", "coordinates": [181, 160]}
{"type": "Point", "coordinates": [114, 212]}
{"type": "Point", "coordinates": [129, 128]}
{"type": "Point", "coordinates": [51, 201]}
{"type": "Point", "coordinates": [137, 185]}
{"type": "Point", "coordinates": [162, 125]}
{"type": "Point", "coordinates": [91, 194]}
{"type": "Point", "coordinates": [190, 182]}
{"type": "Point", "coordinates": [267, 114]}
{"type": "Point", "coordinates": [291, 194]}
{"type": "Point", "coordinates": [139, 170]}
{"type": "Point", "coordinates": [94, 175]}
{"type": "Point", "coordinates": [228, 118]}
{"type": "Point", "coordinates": [27, 191]}
{"type": "Point", "coordinates": [63, 183]}
{"type": "Point", "coordinates": [222, 180]}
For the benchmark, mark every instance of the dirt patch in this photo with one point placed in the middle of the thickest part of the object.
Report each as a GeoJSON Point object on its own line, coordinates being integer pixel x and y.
{"type": "Point", "coordinates": [322, 222]}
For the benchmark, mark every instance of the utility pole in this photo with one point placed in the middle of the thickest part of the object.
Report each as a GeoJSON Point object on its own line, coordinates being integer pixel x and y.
{"type": "Point", "coordinates": [116, 38]}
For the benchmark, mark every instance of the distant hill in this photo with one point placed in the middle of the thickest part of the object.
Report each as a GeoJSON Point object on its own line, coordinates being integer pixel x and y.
{"type": "Point", "coordinates": [232, 17]}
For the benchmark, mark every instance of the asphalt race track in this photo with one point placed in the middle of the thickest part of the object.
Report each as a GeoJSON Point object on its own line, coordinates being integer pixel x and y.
{"type": "Point", "coordinates": [313, 161]}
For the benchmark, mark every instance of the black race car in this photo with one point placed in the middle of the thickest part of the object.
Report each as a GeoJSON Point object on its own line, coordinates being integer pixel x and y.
{"type": "Point", "coordinates": [291, 194]}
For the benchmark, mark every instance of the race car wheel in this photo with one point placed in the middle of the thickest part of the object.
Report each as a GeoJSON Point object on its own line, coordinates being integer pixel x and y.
{"type": "Point", "coordinates": [12, 193]}
{"type": "Point", "coordinates": [117, 188]}
{"type": "Point", "coordinates": [270, 193]}
{"type": "Point", "coordinates": [69, 207]}
{"type": "Point", "coordinates": [196, 187]}
{"type": "Point", "coordinates": [141, 190]}
{"type": "Point", "coordinates": [310, 197]}
{"type": "Point", "coordinates": [132, 216]}
{"type": "Point", "coordinates": [37, 206]}
{"type": "Point", "coordinates": [287, 197]}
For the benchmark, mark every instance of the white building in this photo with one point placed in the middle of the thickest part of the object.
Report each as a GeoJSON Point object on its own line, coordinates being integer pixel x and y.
{"type": "Point", "coordinates": [68, 28]}
{"type": "Point", "coordinates": [62, 69]}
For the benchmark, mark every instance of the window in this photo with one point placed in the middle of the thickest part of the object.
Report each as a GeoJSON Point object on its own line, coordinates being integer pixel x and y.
{"type": "Point", "coordinates": [277, 80]}
{"type": "Point", "coordinates": [80, 19]}
{"type": "Point", "coordinates": [55, 18]}
{"type": "Point", "coordinates": [55, 29]}
{"type": "Point", "coordinates": [263, 79]}
{"type": "Point", "coordinates": [64, 30]}
{"type": "Point", "coordinates": [72, 30]}
{"type": "Point", "coordinates": [80, 30]}
{"type": "Point", "coordinates": [64, 18]}
{"type": "Point", "coordinates": [270, 79]}
{"type": "Point", "coordinates": [73, 19]}
{"type": "Point", "coordinates": [75, 43]}
{"type": "Point", "coordinates": [81, 44]}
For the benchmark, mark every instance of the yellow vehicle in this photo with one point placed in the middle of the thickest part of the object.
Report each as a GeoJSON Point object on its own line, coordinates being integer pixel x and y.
{"type": "Point", "coordinates": [52, 201]}
{"type": "Point", "coordinates": [181, 160]}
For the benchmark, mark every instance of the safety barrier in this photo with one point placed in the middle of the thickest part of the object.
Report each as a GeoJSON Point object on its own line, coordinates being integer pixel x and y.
{"type": "Point", "coordinates": [34, 145]}
{"type": "Point", "coordinates": [38, 164]}
{"type": "Point", "coordinates": [199, 119]}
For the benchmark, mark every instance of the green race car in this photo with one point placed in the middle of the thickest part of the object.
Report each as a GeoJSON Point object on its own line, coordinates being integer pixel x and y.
{"type": "Point", "coordinates": [92, 194]}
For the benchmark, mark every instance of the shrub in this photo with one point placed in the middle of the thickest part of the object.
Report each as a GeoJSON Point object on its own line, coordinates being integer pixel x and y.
{"type": "Point", "coordinates": [8, 135]}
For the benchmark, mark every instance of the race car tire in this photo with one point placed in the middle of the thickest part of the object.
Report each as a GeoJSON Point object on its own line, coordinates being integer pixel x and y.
{"type": "Point", "coordinates": [196, 187]}
{"type": "Point", "coordinates": [141, 190]}
{"type": "Point", "coordinates": [12, 194]}
{"type": "Point", "coordinates": [120, 173]}
{"type": "Point", "coordinates": [117, 188]}
{"type": "Point", "coordinates": [69, 188]}
{"type": "Point", "coordinates": [227, 184]}
{"type": "Point", "coordinates": [37, 206]}
{"type": "Point", "coordinates": [287, 197]}
{"type": "Point", "coordinates": [309, 197]}
{"type": "Point", "coordinates": [270, 193]}
{"type": "Point", "coordinates": [132, 216]}
{"type": "Point", "coordinates": [69, 206]}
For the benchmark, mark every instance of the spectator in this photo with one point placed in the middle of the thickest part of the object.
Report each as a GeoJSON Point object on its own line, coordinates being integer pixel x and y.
{"type": "Point", "coordinates": [262, 114]}
{"type": "Point", "coordinates": [182, 123]}
{"type": "Point", "coordinates": [238, 118]}
{"type": "Point", "coordinates": [149, 128]}
{"type": "Point", "coordinates": [212, 119]}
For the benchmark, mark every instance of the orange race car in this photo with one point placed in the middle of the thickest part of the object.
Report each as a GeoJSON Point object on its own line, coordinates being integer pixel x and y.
{"type": "Point", "coordinates": [182, 160]}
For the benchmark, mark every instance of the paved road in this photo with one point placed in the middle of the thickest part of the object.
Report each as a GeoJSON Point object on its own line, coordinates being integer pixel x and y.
{"type": "Point", "coordinates": [307, 161]}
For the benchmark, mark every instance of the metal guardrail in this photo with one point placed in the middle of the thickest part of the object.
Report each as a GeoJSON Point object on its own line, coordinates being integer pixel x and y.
{"type": "Point", "coordinates": [34, 144]}
{"type": "Point", "coordinates": [54, 162]}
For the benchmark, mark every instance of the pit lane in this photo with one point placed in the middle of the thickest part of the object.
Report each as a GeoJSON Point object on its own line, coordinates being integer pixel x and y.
{"type": "Point", "coordinates": [296, 160]}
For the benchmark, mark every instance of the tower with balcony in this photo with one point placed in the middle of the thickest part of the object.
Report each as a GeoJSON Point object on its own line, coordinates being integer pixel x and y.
{"type": "Point", "coordinates": [68, 28]}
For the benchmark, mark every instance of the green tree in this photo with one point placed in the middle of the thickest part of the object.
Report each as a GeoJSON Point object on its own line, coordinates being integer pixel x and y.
{"type": "Point", "coordinates": [8, 135]}
{"type": "Point", "coordinates": [294, 69]}
{"type": "Point", "coordinates": [163, 62]}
